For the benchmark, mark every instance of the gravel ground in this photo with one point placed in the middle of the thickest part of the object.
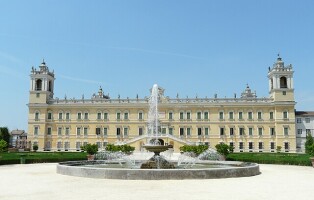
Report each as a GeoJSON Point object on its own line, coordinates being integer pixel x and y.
{"type": "Point", "coordinates": [40, 181]}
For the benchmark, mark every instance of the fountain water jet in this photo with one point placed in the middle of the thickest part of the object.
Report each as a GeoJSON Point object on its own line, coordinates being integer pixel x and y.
{"type": "Point", "coordinates": [153, 144]}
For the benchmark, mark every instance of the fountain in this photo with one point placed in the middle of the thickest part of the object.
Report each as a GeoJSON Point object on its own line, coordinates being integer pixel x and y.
{"type": "Point", "coordinates": [121, 166]}
{"type": "Point", "coordinates": [157, 161]}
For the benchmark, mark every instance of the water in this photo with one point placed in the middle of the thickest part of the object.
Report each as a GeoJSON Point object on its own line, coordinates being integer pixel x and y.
{"type": "Point", "coordinates": [153, 118]}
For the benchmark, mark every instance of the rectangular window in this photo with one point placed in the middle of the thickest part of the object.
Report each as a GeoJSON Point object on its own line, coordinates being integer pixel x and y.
{"type": "Point", "coordinates": [250, 145]}
{"type": "Point", "coordinates": [285, 115]}
{"type": "Point", "coordinates": [272, 145]}
{"type": "Point", "coordinates": [36, 130]}
{"type": "Point", "coordinates": [260, 146]}
{"type": "Point", "coordinates": [85, 131]}
{"type": "Point", "coordinates": [240, 115]}
{"type": "Point", "coordinates": [78, 131]}
{"type": "Point", "coordinates": [181, 115]}
{"type": "Point", "coordinates": [140, 116]}
{"type": "Point", "coordinates": [67, 131]}
{"type": "Point", "coordinates": [163, 130]}
{"type": "Point", "coordinates": [260, 131]}
{"type": "Point", "coordinates": [250, 131]}
{"type": "Point", "coordinates": [307, 120]}
{"type": "Point", "coordinates": [206, 131]}
{"type": "Point", "coordinates": [118, 131]}
{"type": "Point", "coordinates": [299, 131]}
{"type": "Point", "coordinates": [170, 115]}
{"type": "Point", "coordinates": [79, 115]}
{"type": "Point", "coordinates": [222, 131]}
{"type": "Point", "coordinates": [271, 115]}
{"type": "Point", "coordinates": [188, 115]}
{"type": "Point", "coordinates": [188, 131]}
{"type": "Point", "coordinates": [231, 115]}
{"type": "Point", "coordinates": [59, 145]}
{"type": "Point", "coordinates": [78, 145]}
{"type": "Point", "coordinates": [86, 116]}
{"type": "Point", "coordinates": [272, 131]}
{"type": "Point", "coordinates": [286, 131]}
{"type": "Point", "coordinates": [126, 116]}
{"type": "Point", "coordinates": [241, 146]}
{"type": "Point", "coordinates": [105, 116]}
{"type": "Point", "coordinates": [59, 131]}
{"type": "Point", "coordinates": [170, 131]}
{"type": "Point", "coordinates": [67, 116]}
{"type": "Point", "coordinates": [49, 115]}
{"type": "Point", "coordinates": [231, 131]}
{"type": "Point", "coordinates": [299, 120]}
{"type": "Point", "coordinates": [206, 115]}
{"type": "Point", "coordinates": [36, 116]}
{"type": "Point", "coordinates": [250, 115]}
{"type": "Point", "coordinates": [60, 116]}
{"type": "Point", "coordinates": [241, 131]}
{"type": "Point", "coordinates": [221, 115]}
{"type": "Point", "coordinates": [125, 131]}
{"type": "Point", "coordinates": [284, 92]}
{"type": "Point", "coordinates": [105, 132]}
{"type": "Point", "coordinates": [286, 146]}
{"type": "Point", "coordinates": [199, 115]}
{"type": "Point", "coordinates": [97, 131]}
{"type": "Point", "coordinates": [140, 131]}
{"type": "Point", "coordinates": [181, 131]}
{"type": "Point", "coordinates": [259, 115]}
{"type": "Point", "coordinates": [98, 145]}
{"type": "Point", "coordinates": [98, 116]}
{"type": "Point", "coordinates": [66, 146]}
{"type": "Point", "coordinates": [199, 131]}
{"type": "Point", "coordinates": [118, 116]}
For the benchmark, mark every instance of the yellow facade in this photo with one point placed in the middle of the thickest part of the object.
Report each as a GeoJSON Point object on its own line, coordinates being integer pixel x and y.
{"type": "Point", "coordinates": [248, 123]}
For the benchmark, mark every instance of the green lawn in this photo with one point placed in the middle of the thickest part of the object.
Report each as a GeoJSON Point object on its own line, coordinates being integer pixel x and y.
{"type": "Point", "coordinates": [272, 158]}
{"type": "Point", "coordinates": [40, 157]}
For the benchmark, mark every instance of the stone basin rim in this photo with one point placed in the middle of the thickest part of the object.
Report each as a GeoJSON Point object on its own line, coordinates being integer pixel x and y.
{"type": "Point", "coordinates": [250, 169]}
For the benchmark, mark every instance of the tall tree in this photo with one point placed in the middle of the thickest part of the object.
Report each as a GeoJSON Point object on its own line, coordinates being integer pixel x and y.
{"type": "Point", "coordinates": [4, 134]}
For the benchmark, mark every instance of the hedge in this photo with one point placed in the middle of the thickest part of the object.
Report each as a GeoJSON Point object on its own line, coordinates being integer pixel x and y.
{"type": "Point", "coordinates": [272, 158]}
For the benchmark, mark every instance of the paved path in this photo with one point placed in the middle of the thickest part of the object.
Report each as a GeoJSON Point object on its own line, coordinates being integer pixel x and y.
{"type": "Point", "coordinates": [41, 182]}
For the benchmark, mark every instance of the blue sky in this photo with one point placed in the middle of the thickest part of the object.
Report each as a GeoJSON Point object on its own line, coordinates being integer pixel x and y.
{"type": "Point", "coordinates": [192, 48]}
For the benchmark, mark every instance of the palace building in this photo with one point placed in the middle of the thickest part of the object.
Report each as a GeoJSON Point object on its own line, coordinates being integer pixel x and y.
{"type": "Point", "coordinates": [249, 123]}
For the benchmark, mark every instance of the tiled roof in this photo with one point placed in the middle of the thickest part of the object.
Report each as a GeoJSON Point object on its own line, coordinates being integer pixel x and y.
{"type": "Point", "coordinates": [304, 113]}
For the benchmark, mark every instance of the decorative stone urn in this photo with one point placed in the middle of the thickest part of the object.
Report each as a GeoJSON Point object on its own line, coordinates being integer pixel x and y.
{"type": "Point", "coordinates": [90, 157]}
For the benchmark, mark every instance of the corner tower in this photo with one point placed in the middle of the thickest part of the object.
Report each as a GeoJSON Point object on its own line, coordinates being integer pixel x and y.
{"type": "Point", "coordinates": [281, 81]}
{"type": "Point", "coordinates": [41, 84]}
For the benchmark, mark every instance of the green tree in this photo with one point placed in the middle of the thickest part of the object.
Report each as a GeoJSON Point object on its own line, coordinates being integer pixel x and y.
{"type": "Point", "coordinates": [308, 143]}
{"type": "Point", "coordinates": [3, 145]}
{"type": "Point", "coordinates": [91, 149]}
{"type": "Point", "coordinates": [35, 147]}
{"type": "Point", "coordinates": [4, 134]}
{"type": "Point", "coordinates": [224, 149]}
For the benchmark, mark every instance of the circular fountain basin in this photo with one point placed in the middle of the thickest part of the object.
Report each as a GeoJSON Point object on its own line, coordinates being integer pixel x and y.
{"type": "Point", "coordinates": [201, 170]}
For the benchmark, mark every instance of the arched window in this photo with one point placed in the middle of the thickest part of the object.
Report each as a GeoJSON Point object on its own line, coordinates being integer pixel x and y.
{"type": "Point", "coordinates": [283, 82]}
{"type": "Point", "coordinates": [38, 86]}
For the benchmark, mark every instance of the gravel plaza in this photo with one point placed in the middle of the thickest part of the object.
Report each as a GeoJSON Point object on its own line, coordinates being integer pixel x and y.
{"type": "Point", "coordinates": [40, 181]}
